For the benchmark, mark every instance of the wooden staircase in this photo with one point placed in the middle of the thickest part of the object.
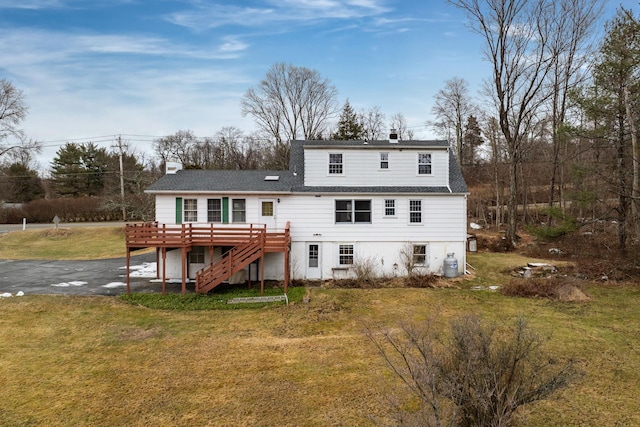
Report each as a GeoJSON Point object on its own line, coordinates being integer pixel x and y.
{"type": "Point", "coordinates": [248, 242]}
{"type": "Point", "coordinates": [231, 263]}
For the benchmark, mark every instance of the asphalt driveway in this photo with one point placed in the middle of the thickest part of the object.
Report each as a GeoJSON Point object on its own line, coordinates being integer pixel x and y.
{"type": "Point", "coordinates": [96, 277]}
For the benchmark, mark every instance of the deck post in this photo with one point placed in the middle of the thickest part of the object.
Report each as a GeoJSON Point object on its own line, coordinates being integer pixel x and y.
{"type": "Point", "coordinates": [157, 262]}
{"type": "Point", "coordinates": [184, 270]}
{"type": "Point", "coordinates": [286, 268]}
{"type": "Point", "coordinates": [287, 260]}
{"type": "Point", "coordinates": [164, 270]}
{"type": "Point", "coordinates": [128, 275]}
{"type": "Point", "coordinates": [262, 274]}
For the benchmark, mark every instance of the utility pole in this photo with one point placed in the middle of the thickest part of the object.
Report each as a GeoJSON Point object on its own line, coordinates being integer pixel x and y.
{"type": "Point", "coordinates": [124, 208]}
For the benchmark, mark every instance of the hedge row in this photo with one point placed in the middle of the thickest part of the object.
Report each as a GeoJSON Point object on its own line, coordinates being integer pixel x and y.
{"type": "Point", "coordinates": [86, 209]}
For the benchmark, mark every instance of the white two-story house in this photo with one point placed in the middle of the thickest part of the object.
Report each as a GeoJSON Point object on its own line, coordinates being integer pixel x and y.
{"type": "Point", "coordinates": [394, 205]}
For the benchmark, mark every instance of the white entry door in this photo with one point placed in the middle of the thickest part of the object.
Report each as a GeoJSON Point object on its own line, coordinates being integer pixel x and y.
{"type": "Point", "coordinates": [314, 261]}
{"type": "Point", "coordinates": [268, 214]}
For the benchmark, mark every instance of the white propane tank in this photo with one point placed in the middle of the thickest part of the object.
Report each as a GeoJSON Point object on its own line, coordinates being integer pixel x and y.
{"type": "Point", "coordinates": [450, 266]}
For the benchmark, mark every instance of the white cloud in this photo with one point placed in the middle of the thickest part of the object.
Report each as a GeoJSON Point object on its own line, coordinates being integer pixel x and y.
{"type": "Point", "coordinates": [30, 4]}
{"type": "Point", "coordinates": [57, 4]}
{"type": "Point", "coordinates": [288, 12]}
{"type": "Point", "coordinates": [232, 44]}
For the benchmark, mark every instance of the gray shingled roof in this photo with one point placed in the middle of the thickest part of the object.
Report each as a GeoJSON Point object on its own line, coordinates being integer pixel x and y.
{"type": "Point", "coordinates": [292, 181]}
{"type": "Point", "coordinates": [196, 180]}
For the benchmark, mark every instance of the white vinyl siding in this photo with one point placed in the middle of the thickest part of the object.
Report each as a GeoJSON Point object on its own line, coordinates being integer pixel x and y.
{"type": "Point", "coordinates": [443, 228]}
{"type": "Point", "coordinates": [361, 168]}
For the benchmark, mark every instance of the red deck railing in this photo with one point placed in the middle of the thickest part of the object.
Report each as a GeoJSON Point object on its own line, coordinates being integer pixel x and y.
{"type": "Point", "coordinates": [249, 243]}
{"type": "Point", "coordinates": [145, 235]}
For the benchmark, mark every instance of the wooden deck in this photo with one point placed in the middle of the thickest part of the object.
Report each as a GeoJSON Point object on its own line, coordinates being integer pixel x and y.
{"type": "Point", "coordinates": [165, 237]}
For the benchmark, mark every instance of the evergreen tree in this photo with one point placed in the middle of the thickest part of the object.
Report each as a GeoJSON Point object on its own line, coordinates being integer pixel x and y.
{"type": "Point", "coordinates": [471, 140]}
{"type": "Point", "coordinates": [616, 79]}
{"type": "Point", "coordinates": [349, 125]}
{"type": "Point", "coordinates": [21, 184]}
{"type": "Point", "coordinates": [79, 170]}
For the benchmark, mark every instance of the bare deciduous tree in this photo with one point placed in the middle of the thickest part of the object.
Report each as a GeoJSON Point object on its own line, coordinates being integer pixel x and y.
{"type": "Point", "coordinates": [399, 123]}
{"type": "Point", "coordinates": [452, 107]}
{"type": "Point", "coordinates": [176, 147]}
{"type": "Point", "coordinates": [570, 43]}
{"type": "Point", "coordinates": [372, 123]}
{"type": "Point", "coordinates": [517, 37]}
{"type": "Point", "coordinates": [13, 110]}
{"type": "Point", "coordinates": [291, 103]}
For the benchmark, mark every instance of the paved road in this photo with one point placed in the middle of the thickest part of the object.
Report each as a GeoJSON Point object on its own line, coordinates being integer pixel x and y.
{"type": "Point", "coordinates": [98, 277]}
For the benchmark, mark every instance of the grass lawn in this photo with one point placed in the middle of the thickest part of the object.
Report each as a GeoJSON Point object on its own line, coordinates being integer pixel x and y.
{"type": "Point", "coordinates": [76, 243]}
{"type": "Point", "coordinates": [105, 361]}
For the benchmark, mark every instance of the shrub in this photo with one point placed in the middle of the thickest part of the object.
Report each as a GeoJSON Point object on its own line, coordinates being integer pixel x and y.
{"type": "Point", "coordinates": [476, 375]}
{"type": "Point", "coordinates": [566, 225]}
{"type": "Point", "coordinates": [556, 288]}
{"type": "Point", "coordinates": [364, 269]}
{"type": "Point", "coordinates": [420, 280]}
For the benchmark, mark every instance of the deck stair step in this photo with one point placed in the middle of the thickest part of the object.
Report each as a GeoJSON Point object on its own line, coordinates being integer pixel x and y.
{"type": "Point", "coordinates": [230, 263]}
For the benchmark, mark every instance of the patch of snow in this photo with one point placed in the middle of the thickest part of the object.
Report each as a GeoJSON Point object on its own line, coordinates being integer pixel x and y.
{"type": "Point", "coordinates": [67, 284]}
{"type": "Point", "coordinates": [475, 226]}
{"type": "Point", "coordinates": [6, 295]}
{"type": "Point", "coordinates": [144, 270]}
{"type": "Point", "coordinates": [113, 285]}
{"type": "Point", "coordinates": [493, 288]}
{"type": "Point", "coordinates": [20, 294]}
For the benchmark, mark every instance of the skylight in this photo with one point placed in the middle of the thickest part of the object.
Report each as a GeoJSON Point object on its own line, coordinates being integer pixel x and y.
{"type": "Point", "coordinates": [272, 178]}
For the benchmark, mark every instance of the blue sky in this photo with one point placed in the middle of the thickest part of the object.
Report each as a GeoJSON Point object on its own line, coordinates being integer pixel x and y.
{"type": "Point", "coordinates": [94, 68]}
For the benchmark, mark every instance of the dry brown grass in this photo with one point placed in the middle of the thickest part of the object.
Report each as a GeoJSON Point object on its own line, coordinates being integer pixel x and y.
{"type": "Point", "coordinates": [559, 288]}
{"type": "Point", "coordinates": [98, 361]}
{"type": "Point", "coordinates": [64, 243]}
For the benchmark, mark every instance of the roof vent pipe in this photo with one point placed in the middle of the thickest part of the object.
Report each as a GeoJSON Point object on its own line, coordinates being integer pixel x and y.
{"type": "Point", "coordinates": [393, 137]}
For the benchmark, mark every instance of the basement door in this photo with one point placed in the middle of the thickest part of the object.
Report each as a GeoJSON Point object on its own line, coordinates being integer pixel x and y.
{"type": "Point", "coordinates": [314, 265]}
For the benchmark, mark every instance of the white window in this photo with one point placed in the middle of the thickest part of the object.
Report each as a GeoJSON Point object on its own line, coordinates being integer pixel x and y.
{"type": "Point", "coordinates": [424, 164]}
{"type": "Point", "coordinates": [415, 211]}
{"type": "Point", "coordinates": [335, 164]}
{"type": "Point", "coordinates": [214, 210]}
{"type": "Point", "coordinates": [239, 213]}
{"type": "Point", "coordinates": [384, 160]}
{"type": "Point", "coordinates": [190, 210]}
{"type": "Point", "coordinates": [353, 211]}
{"type": "Point", "coordinates": [345, 256]}
{"type": "Point", "coordinates": [389, 207]}
{"type": "Point", "coordinates": [196, 255]}
{"type": "Point", "coordinates": [420, 254]}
